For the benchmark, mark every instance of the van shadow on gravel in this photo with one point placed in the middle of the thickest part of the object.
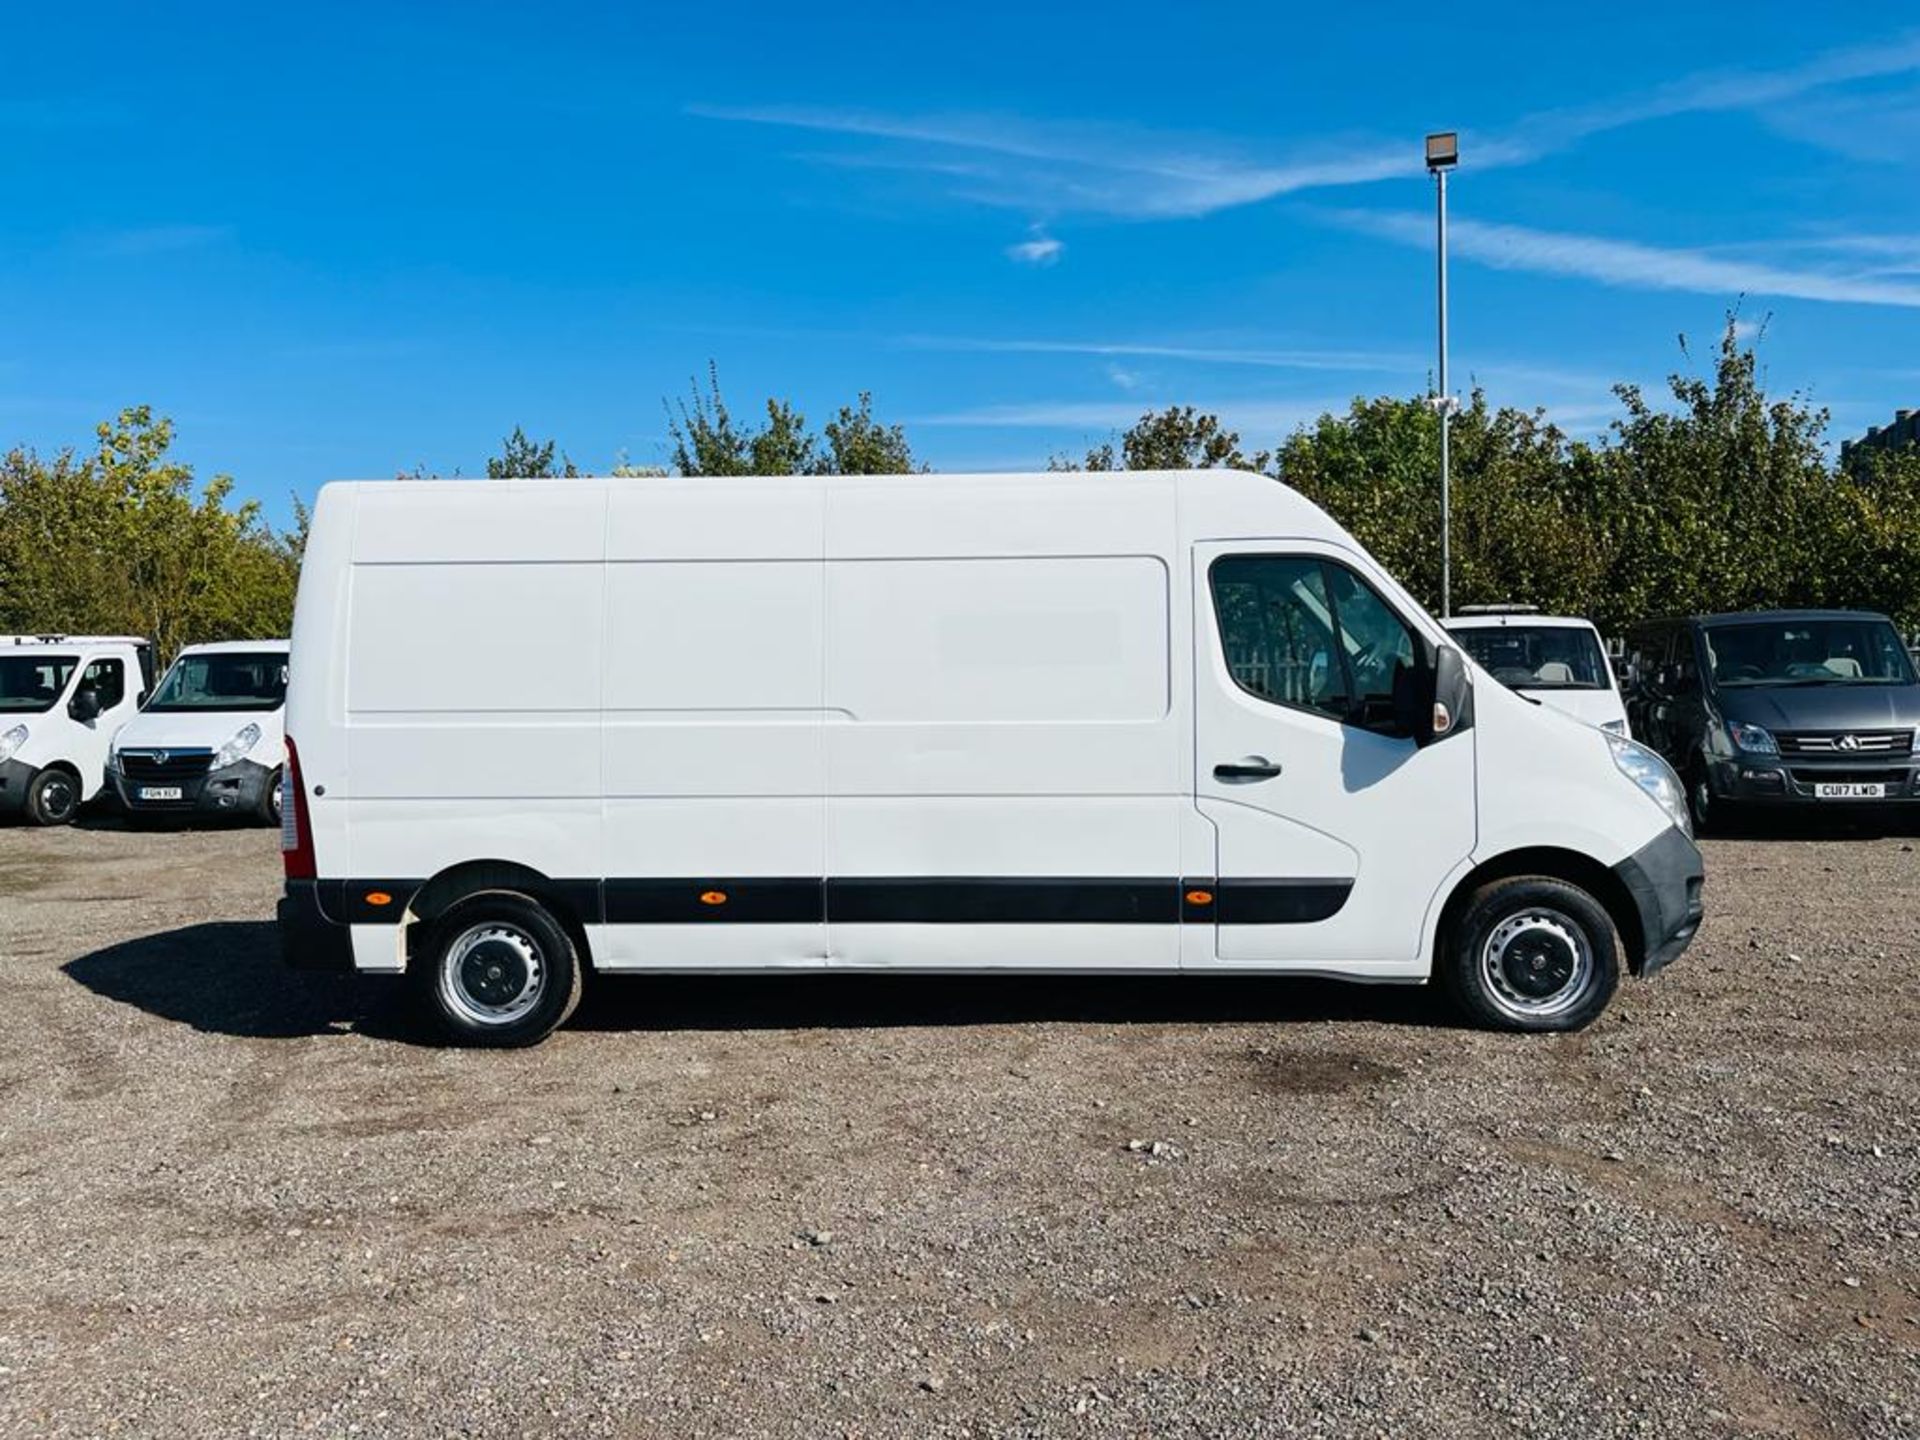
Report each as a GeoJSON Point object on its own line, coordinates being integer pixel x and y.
{"type": "Point", "coordinates": [225, 978]}
{"type": "Point", "coordinates": [866, 1001]}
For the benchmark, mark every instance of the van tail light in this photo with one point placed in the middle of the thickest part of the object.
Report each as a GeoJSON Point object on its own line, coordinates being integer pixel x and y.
{"type": "Point", "coordinates": [296, 826]}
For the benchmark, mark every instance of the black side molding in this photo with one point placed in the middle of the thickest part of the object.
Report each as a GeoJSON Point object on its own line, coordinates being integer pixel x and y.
{"type": "Point", "coordinates": [877, 900]}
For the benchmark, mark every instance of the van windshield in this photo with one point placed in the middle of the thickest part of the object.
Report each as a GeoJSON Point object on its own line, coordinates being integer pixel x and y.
{"type": "Point", "coordinates": [33, 682]}
{"type": "Point", "coordinates": [1539, 657]}
{"type": "Point", "coordinates": [233, 680]}
{"type": "Point", "coordinates": [1849, 650]}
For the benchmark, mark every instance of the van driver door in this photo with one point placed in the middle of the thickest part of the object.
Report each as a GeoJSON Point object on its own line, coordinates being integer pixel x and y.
{"type": "Point", "coordinates": [1333, 831]}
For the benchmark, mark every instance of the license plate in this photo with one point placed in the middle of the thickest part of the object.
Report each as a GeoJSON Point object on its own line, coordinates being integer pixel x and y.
{"type": "Point", "coordinates": [172, 792]}
{"type": "Point", "coordinates": [1836, 790]}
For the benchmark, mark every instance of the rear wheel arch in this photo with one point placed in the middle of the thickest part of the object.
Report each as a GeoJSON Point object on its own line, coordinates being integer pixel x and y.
{"type": "Point", "coordinates": [1552, 863]}
{"type": "Point", "coordinates": [476, 877]}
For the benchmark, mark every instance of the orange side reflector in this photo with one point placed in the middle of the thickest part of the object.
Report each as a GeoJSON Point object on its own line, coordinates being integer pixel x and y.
{"type": "Point", "coordinates": [713, 897]}
{"type": "Point", "coordinates": [379, 897]}
{"type": "Point", "coordinates": [1199, 897]}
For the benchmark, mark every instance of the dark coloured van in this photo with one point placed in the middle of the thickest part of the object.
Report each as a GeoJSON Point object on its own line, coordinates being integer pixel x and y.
{"type": "Point", "coordinates": [1811, 708]}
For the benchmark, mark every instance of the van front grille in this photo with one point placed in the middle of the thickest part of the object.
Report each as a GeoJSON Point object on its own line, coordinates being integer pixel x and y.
{"type": "Point", "coordinates": [164, 767]}
{"type": "Point", "coordinates": [1845, 742]}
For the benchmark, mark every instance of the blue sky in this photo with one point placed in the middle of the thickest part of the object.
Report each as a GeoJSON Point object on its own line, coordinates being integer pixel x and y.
{"type": "Point", "coordinates": [345, 241]}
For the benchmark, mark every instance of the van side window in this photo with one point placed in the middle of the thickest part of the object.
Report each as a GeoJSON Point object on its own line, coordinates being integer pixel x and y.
{"type": "Point", "coordinates": [1277, 627]}
{"type": "Point", "coordinates": [1377, 644]}
{"type": "Point", "coordinates": [109, 679]}
{"type": "Point", "coordinates": [1307, 633]}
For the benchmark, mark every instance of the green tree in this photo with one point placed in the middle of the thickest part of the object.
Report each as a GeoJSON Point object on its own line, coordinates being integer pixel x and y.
{"type": "Point", "coordinates": [857, 444]}
{"type": "Point", "coordinates": [119, 542]}
{"type": "Point", "coordinates": [1176, 438]}
{"type": "Point", "coordinates": [521, 458]}
{"type": "Point", "coordinates": [1722, 500]}
{"type": "Point", "coordinates": [708, 440]}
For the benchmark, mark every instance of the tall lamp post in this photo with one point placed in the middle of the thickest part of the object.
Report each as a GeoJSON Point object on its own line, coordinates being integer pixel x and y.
{"type": "Point", "coordinates": [1443, 153]}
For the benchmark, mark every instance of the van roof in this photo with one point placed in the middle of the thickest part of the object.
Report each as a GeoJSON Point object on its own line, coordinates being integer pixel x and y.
{"type": "Point", "coordinates": [1522, 618]}
{"type": "Point", "coordinates": [1767, 617]}
{"type": "Point", "coordinates": [32, 642]}
{"type": "Point", "coordinates": [1282, 510]}
{"type": "Point", "coordinates": [228, 647]}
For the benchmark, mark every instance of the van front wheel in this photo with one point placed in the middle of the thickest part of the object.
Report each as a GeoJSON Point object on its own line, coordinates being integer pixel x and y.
{"type": "Point", "coordinates": [1532, 953]}
{"type": "Point", "coordinates": [497, 970]}
{"type": "Point", "coordinates": [53, 798]}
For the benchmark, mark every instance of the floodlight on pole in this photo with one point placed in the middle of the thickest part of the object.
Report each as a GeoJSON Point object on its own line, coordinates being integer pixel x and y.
{"type": "Point", "coordinates": [1443, 153]}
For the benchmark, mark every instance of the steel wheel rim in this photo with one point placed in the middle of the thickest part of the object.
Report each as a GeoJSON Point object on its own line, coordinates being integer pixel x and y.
{"type": "Point", "coordinates": [56, 797]}
{"type": "Point", "coordinates": [1537, 963]}
{"type": "Point", "coordinates": [492, 974]}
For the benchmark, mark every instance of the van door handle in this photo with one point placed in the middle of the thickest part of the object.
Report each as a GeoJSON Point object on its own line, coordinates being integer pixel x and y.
{"type": "Point", "coordinates": [1252, 767]}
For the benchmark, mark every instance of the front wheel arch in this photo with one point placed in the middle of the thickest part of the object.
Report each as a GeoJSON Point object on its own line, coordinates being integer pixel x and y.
{"type": "Point", "coordinates": [1553, 863]}
{"type": "Point", "coordinates": [56, 768]}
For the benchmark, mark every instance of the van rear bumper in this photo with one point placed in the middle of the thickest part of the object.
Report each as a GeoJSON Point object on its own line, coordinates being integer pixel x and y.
{"type": "Point", "coordinates": [311, 939]}
{"type": "Point", "coordinates": [1665, 879]}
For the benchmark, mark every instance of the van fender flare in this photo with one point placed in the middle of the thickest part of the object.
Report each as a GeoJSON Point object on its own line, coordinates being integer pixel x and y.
{"type": "Point", "coordinates": [1557, 862]}
{"type": "Point", "coordinates": [570, 904]}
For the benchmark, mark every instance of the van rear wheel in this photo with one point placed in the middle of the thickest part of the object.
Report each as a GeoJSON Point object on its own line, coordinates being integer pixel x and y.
{"type": "Point", "coordinates": [1532, 953]}
{"type": "Point", "coordinates": [497, 970]}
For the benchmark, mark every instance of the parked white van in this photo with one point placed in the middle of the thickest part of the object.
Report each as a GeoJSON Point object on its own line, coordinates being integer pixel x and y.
{"type": "Point", "coordinates": [1556, 659]}
{"type": "Point", "coordinates": [211, 739]}
{"type": "Point", "coordinates": [1149, 722]}
{"type": "Point", "coordinates": [62, 699]}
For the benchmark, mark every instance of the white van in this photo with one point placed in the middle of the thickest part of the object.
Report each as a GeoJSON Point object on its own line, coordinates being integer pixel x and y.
{"type": "Point", "coordinates": [1148, 722]}
{"type": "Point", "coordinates": [211, 740]}
{"type": "Point", "coordinates": [1556, 659]}
{"type": "Point", "coordinates": [62, 698]}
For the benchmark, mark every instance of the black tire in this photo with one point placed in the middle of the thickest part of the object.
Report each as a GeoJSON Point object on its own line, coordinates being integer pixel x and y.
{"type": "Point", "coordinates": [1531, 953]}
{"type": "Point", "coordinates": [267, 812]}
{"type": "Point", "coordinates": [473, 972]}
{"type": "Point", "coordinates": [1710, 814]}
{"type": "Point", "coordinates": [53, 798]}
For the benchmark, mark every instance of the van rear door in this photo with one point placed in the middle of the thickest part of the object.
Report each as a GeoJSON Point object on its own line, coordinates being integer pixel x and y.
{"type": "Point", "coordinates": [1332, 833]}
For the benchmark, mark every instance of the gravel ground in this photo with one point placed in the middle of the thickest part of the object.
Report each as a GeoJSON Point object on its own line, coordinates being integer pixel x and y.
{"type": "Point", "coordinates": [236, 1200]}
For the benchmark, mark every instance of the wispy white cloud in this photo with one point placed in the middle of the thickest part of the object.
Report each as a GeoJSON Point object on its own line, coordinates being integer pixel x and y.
{"type": "Point", "coordinates": [1039, 249]}
{"type": "Point", "coordinates": [1058, 167]}
{"type": "Point", "coordinates": [1633, 265]}
{"type": "Point", "coordinates": [1252, 417]}
{"type": "Point", "coordinates": [1259, 357]}
{"type": "Point", "coordinates": [1108, 170]}
{"type": "Point", "coordinates": [1124, 378]}
{"type": "Point", "coordinates": [1875, 128]}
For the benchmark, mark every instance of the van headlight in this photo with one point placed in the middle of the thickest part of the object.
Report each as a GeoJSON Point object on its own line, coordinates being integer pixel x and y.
{"type": "Point", "coordinates": [1751, 738]}
{"type": "Point", "coordinates": [240, 744]}
{"type": "Point", "coordinates": [1653, 775]}
{"type": "Point", "coordinates": [12, 741]}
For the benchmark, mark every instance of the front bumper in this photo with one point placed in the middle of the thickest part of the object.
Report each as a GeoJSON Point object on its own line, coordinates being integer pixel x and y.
{"type": "Point", "coordinates": [310, 938]}
{"type": "Point", "coordinates": [1791, 780]}
{"type": "Point", "coordinates": [15, 777]}
{"type": "Point", "coordinates": [237, 789]}
{"type": "Point", "coordinates": [1665, 878]}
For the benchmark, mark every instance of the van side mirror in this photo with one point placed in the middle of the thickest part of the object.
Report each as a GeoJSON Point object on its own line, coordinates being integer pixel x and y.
{"type": "Point", "coordinates": [85, 705]}
{"type": "Point", "coordinates": [1452, 708]}
{"type": "Point", "coordinates": [1434, 701]}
